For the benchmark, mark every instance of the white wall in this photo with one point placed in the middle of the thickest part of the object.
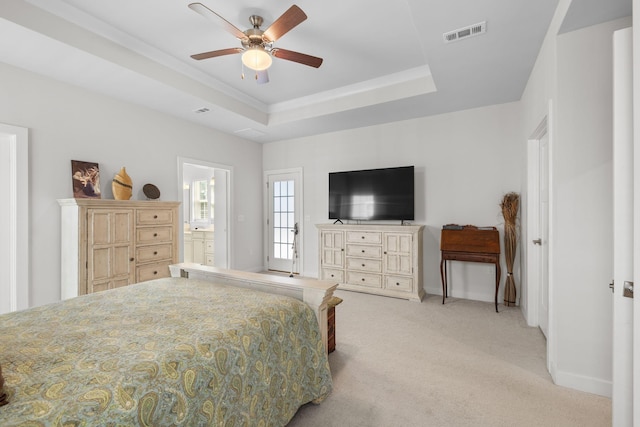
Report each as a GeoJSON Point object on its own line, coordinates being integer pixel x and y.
{"type": "Point", "coordinates": [574, 72]}
{"type": "Point", "coordinates": [70, 123]}
{"type": "Point", "coordinates": [583, 183]}
{"type": "Point", "coordinates": [465, 162]}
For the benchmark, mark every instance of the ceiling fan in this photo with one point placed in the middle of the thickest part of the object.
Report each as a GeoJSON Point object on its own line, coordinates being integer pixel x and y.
{"type": "Point", "coordinates": [257, 45]}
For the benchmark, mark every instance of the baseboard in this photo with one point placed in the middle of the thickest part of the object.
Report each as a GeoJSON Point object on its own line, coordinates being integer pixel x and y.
{"type": "Point", "coordinates": [525, 313]}
{"type": "Point", "coordinates": [583, 383]}
{"type": "Point", "coordinates": [252, 269]}
{"type": "Point", "coordinates": [476, 296]}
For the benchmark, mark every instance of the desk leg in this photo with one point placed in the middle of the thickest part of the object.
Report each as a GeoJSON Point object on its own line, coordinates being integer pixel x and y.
{"type": "Point", "coordinates": [443, 277]}
{"type": "Point", "coordinates": [497, 283]}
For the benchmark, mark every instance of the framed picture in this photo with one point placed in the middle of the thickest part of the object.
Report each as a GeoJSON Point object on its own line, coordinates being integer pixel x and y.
{"type": "Point", "coordinates": [85, 177]}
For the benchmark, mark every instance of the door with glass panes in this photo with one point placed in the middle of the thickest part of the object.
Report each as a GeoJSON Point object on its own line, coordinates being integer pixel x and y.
{"type": "Point", "coordinates": [284, 199]}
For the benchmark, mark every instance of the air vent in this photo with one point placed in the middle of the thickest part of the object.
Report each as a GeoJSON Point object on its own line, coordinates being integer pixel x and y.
{"type": "Point", "coordinates": [201, 110]}
{"type": "Point", "coordinates": [466, 32]}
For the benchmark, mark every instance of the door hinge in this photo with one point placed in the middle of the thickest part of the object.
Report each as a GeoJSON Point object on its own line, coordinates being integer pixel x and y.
{"type": "Point", "coordinates": [612, 286]}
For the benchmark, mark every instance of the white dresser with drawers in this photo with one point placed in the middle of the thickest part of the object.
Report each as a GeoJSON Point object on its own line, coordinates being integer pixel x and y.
{"type": "Point", "coordinates": [377, 259]}
{"type": "Point", "coordinates": [106, 244]}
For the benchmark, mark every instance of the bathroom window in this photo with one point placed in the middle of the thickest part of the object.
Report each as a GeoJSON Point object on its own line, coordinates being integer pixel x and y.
{"type": "Point", "coordinates": [202, 200]}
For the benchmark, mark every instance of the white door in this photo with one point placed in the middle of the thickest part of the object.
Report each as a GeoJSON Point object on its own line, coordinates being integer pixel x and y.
{"type": "Point", "coordinates": [635, 345]}
{"type": "Point", "coordinates": [284, 201]}
{"type": "Point", "coordinates": [623, 212]}
{"type": "Point", "coordinates": [543, 232]}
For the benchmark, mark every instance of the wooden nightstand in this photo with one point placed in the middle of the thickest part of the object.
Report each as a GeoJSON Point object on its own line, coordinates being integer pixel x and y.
{"type": "Point", "coordinates": [331, 323]}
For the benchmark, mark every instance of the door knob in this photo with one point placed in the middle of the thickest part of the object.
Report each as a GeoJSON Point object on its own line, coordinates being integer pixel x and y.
{"type": "Point", "coordinates": [537, 242]}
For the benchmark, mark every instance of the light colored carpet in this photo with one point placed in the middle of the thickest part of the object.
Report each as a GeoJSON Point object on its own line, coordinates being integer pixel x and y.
{"type": "Point", "coordinates": [400, 363]}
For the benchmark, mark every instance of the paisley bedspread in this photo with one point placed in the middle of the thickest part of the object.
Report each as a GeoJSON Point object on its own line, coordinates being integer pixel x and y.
{"type": "Point", "coordinates": [166, 352]}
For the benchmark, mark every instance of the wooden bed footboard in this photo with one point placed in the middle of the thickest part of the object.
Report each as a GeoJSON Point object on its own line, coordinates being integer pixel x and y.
{"type": "Point", "coordinates": [315, 293]}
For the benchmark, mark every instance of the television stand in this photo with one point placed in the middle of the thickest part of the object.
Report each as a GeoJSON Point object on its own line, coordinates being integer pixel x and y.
{"type": "Point", "coordinates": [376, 259]}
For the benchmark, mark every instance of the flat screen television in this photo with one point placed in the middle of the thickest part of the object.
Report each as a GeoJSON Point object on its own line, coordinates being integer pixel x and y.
{"type": "Point", "coordinates": [372, 194]}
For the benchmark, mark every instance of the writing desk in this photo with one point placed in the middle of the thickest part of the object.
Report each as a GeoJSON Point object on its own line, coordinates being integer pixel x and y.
{"type": "Point", "coordinates": [469, 243]}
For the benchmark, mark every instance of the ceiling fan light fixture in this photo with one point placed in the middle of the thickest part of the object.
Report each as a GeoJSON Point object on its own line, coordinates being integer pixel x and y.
{"type": "Point", "coordinates": [256, 58]}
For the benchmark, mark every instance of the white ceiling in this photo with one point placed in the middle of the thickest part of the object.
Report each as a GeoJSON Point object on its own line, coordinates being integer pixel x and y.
{"type": "Point", "coordinates": [383, 61]}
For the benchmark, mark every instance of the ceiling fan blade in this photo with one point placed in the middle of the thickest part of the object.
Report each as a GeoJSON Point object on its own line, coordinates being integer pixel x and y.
{"type": "Point", "coordinates": [214, 53]}
{"type": "Point", "coordinates": [262, 77]}
{"type": "Point", "coordinates": [301, 58]}
{"type": "Point", "coordinates": [285, 23]}
{"type": "Point", "coordinates": [217, 19]}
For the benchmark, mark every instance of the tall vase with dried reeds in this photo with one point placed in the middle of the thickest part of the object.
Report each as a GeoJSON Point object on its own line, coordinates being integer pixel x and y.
{"type": "Point", "coordinates": [509, 206]}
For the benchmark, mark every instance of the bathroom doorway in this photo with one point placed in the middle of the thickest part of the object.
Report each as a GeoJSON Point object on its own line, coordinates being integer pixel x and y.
{"type": "Point", "coordinates": [14, 218]}
{"type": "Point", "coordinates": [206, 231]}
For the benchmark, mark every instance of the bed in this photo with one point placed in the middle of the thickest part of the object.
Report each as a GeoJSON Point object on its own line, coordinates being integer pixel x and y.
{"type": "Point", "coordinates": [183, 350]}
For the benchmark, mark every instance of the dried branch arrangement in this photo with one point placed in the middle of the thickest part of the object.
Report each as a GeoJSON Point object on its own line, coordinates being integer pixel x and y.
{"type": "Point", "coordinates": [509, 206]}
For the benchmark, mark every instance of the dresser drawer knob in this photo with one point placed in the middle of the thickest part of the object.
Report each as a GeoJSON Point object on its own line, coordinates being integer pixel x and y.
{"type": "Point", "coordinates": [363, 251]}
{"type": "Point", "coordinates": [397, 284]}
{"type": "Point", "coordinates": [155, 252]}
{"type": "Point", "coordinates": [363, 237]}
{"type": "Point", "coordinates": [363, 279]}
{"type": "Point", "coordinates": [155, 217]}
{"type": "Point", "coordinates": [155, 272]}
{"type": "Point", "coordinates": [131, 259]}
{"type": "Point", "coordinates": [363, 265]}
{"type": "Point", "coordinates": [155, 234]}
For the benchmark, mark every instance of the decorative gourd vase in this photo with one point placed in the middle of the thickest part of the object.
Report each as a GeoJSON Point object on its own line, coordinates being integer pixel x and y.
{"type": "Point", "coordinates": [122, 186]}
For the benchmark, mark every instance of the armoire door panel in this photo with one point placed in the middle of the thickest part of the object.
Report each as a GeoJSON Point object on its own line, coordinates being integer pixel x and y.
{"type": "Point", "coordinates": [100, 264]}
{"type": "Point", "coordinates": [120, 282]}
{"type": "Point", "coordinates": [122, 262]}
{"type": "Point", "coordinates": [122, 227]}
{"type": "Point", "coordinates": [99, 227]}
{"type": "Point", "coordinates": [98, 287]}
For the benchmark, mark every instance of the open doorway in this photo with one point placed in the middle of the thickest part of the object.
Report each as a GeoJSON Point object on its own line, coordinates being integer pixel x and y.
{"type": "Point", "coordinates": [539, 243]}
{"type": "Point", "coordinates": [14, 219]}
{"type": "Point", "coordinates": [206, 192]}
